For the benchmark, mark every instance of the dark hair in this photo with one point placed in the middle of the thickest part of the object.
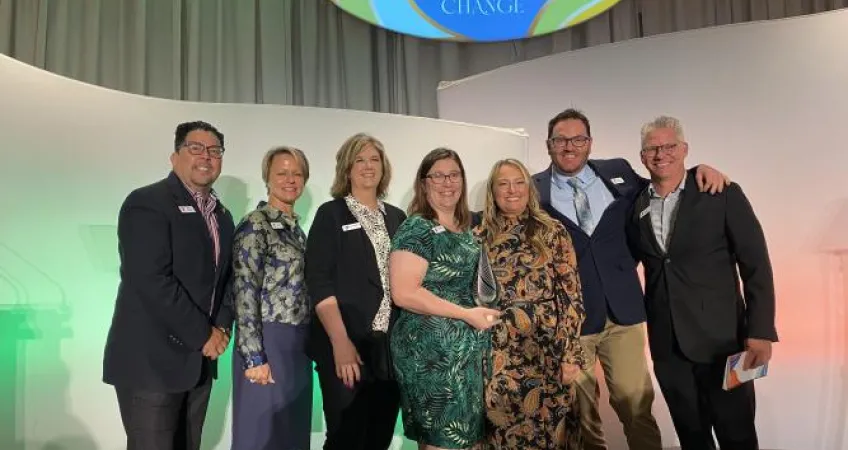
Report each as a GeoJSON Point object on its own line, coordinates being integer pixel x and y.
{"type": "Point", "coordinates": [185, 128]}
{"type": "Point", "coordinates": [419, 204]}
{"type": "Point", "coordinates": [569, 114]}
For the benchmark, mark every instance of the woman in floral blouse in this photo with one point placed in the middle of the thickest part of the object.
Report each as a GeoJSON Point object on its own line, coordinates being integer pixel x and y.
{"type": "Point", "coordinates": [272, 376]}
{"type": "Point", "coordinates": [347, 273]}
{"type": "Point", "coordinates": [536, 352]}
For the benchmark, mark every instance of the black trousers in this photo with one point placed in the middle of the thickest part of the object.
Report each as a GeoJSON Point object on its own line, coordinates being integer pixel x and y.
{"type": "Point", "coordinates": [362, 418]}
{"type": "Point", "coordinates": [164, 421]}
{"type": "Point", "coordinates": [699, 406]}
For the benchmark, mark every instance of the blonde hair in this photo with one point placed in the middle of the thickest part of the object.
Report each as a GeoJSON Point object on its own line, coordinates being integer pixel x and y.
{"type": "Point", "coordinates": [295, 153]}
{"type": "Point", "coordinates": [419, 204]}
{"type": "Point", "coordinates": [540, 227]}
{"type": "Point", "coordinates": [660, 123]}
{"type": "Point", "coordinates": [346, 157]}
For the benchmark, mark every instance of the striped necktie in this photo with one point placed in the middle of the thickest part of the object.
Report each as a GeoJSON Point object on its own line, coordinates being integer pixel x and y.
{"type": "Point", "coordinates": [207, 205]}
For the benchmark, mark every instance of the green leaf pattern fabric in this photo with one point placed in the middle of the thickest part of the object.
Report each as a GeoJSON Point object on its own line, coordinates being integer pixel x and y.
{"type": "Point", "coordinates": [439, 361]}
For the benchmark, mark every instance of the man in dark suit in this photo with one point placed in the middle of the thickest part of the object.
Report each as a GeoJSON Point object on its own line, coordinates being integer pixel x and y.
{"type": "Point", "coordinates": [695, 248]}
{"type": "Point", "coordinates": [592, 198]}
{"type": "Point", "coordinates": [172, 318]}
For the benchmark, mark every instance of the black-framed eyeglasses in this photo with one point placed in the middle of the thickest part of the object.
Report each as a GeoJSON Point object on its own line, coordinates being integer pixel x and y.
{"type": "Point", "coordinates": [198, 148]}
{"type": "Point", "coordinates": [665, 148]}
{"type": "Point", "coordinates": [560, 142]}
{"type": "Point", "coordinates": [441, 178]}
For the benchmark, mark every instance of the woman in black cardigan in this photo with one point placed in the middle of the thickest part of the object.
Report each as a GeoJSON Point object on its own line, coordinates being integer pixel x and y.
{"type": "Point", "coordinates": [347, 277]}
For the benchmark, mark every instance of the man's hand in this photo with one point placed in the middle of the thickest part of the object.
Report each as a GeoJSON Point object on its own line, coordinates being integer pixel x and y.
{"type": "Point", "coordinates": [709, 179]}
{"type": "Point", "coordinates": [217, 344]}
{"type": "Point", "coordinates": [759, 353]}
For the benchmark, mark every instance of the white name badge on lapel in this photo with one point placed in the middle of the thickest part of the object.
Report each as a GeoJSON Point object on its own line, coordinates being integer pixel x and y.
{"type": "Point", "coordinates": [351, 226]}
{"type": "Point", "coordinates": [617, 180]}
{"type": "Point", "coordinates": [276, 225]}
{"type": "Point", "coordinates": [644, 212]}
{"type": "Point", "coordinates": [187, 209]}
{"type": "Point", "coordinates": [438, 229]}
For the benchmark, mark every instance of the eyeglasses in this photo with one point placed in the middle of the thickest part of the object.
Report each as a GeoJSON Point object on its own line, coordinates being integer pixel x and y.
{"type": "Point", "coordinates": [198, 148]}
{"type": "Point", "coordinates": [441, 178]}
{"type": "Point", "coordinates": [578, 141]}
{"type": "Point", "coordinates": [665, 148]}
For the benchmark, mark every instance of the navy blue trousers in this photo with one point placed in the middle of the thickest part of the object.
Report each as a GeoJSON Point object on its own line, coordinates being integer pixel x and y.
{"type": "Point", "coordinates": [275, 416]}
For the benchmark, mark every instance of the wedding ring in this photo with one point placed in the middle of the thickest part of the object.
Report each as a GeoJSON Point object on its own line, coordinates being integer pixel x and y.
{"type": "Point", "coordinates": [490, 318]}
{"type": "Point", "coordinates": [252, 380]}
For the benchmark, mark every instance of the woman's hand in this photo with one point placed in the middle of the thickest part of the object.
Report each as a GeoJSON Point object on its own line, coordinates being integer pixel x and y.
{"type": "Point", "coordinates": [260, 374]}
{"type": "Point", "coordinates": [569, 373]}
{"type": "Point", "coordinates": [482, 318]}
{"type": "Point", "coordinates": [347, 362]}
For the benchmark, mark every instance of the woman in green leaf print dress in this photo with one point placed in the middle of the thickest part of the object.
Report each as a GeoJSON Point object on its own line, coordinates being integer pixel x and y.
{"type": "Point", "coordinates": [439, 338]}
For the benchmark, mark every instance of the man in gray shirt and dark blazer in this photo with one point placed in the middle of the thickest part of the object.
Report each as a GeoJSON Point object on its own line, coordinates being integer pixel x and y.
{"type": "Point", "coordinates": [695, 248]}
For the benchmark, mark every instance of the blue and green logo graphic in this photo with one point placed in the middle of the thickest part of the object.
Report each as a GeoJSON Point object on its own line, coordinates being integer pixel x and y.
{"type": "Point", "coordinates": [475, 20]}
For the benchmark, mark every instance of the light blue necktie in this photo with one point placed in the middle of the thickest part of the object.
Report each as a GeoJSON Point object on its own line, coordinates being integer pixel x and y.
{"type": "Point", "coordinates": [581, 206]}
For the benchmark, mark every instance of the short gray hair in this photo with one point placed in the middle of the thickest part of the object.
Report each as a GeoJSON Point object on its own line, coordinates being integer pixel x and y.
{"type": "Point", "coordinates": [663, 122]}
{"type": "Point", "coordinates": [295, 153]}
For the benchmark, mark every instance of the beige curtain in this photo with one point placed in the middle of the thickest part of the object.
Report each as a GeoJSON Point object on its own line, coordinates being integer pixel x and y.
{"type": "Point", "coordinates": [308, 52]}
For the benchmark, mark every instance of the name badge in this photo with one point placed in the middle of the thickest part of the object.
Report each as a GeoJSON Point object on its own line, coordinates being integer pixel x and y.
{"type": "Point", "coordinates": [644, 212]}
{"type": "Point", "coordinates": [617, 180]}
{"type": "Point", "coordinates": [276, 225]}
{"type": "Point", "coordinates": [187, 209]}
{"type": "Point", "coordinates": [438, 229]}
{"type": "Point", "coordinates": [351, 226]}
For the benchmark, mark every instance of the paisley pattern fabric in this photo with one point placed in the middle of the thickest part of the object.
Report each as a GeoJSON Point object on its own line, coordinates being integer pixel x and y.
{"type": "Point", "coordinates": [528, 406]}
{"type": "Point", "coordinates": [439, 361]}
{"type": "Point", "coordinates": [268, 278]}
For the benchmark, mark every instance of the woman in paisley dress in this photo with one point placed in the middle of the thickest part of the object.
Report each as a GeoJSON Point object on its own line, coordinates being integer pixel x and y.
{"type": "Point", "coordinates": [272, 375]}
{"type": "Point", "coordinates": [536, 352]}
{"type": "Point", "coordinates": [438, 340]}
{"type": "Point", "coordinates": [347, 255]}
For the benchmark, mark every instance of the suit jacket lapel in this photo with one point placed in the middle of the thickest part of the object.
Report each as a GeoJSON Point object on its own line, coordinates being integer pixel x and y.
{"type": "Point", "coordinates": [367, 248]}
{"type": "Point", "coordinates": [544, 188]}
{"type": "Point", "coordinates": [182, 197]}
{"type": "Point", "coordinates": [646, 228]}
{"type": "Point", "coordinates": [689, 198]}
{"type": "Point", "coordinates": [392, 222]}
{"type": "Point", "coordinates": [607, 177]}
{"type": "Point", "coordinates": [225, 239]}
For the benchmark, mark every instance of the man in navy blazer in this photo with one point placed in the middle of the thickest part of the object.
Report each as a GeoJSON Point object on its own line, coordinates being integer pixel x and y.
{"type": "Point", "coordinates": [172, 315]}
{"type": "Point", "coordinates": [592, 198]}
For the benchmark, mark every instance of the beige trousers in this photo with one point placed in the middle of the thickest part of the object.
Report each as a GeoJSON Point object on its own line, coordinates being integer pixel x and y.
{"type": "Point", "coordinates": [621, 350]}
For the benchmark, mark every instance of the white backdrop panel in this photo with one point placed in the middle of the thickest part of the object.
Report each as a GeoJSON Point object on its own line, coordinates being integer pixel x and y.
{"type": "Point", "coordinates": [764, 102]}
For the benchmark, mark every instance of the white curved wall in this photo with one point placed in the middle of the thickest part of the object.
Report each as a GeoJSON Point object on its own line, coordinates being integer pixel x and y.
{"type": "Point", "coordinates": [765, 102]}
{"type": "Point", "coordinates": [70, 153]}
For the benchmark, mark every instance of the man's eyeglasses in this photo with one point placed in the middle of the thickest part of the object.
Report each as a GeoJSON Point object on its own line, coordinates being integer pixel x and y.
{"type": "Point", "coordinates": [441, 178]}
{"type": "Point", "coordinates": [652, 150]}
{"type": "Point", "coordinates": [560, 142]}
{"type": "Point", "coordinates": [198, 148]}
